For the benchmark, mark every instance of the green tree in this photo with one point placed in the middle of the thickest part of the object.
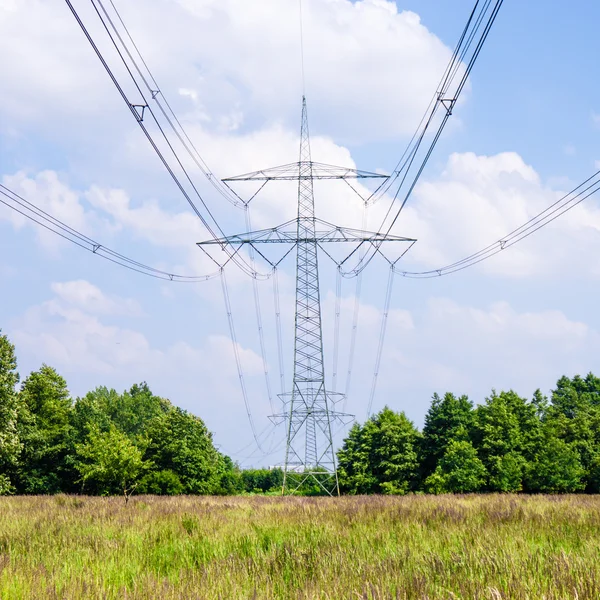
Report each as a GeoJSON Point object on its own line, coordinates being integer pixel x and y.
{"type": "Point", "coordinates": [45, 429]}
{"type": "Point", "coordinates": [458, 471]}
{"type": "Point", "coordinates": [380, 456]}
{"type": "Point", "coordinates": [506, 429]}
{"type": "Point", "coordinates": [161, 483]}
{"type": "Point", "coordinates": [110, 462]}
{"type": "Point", "coordinates": [448, 419]}
{"type": "Point", "coordinates": [181, 443]}
{"type": "Point", "coordinates": [10, 445]}
{"type": "Point", "coordinates": [557, 467]}
{"type": "Point", "coordinates": [130, 412]}
{"type": "Point", "coordinates": [574, 416]}
{"type": "Point", "coordinates": [261, 480]}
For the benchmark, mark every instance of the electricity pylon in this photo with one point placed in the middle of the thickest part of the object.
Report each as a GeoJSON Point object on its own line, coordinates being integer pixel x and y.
{"type": "Point", "coordinates": [309, 408]}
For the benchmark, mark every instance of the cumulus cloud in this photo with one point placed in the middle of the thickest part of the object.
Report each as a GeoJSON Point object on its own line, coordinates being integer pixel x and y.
{"type": "Point", "coordinates": [479, 199]}
{"type": "Point", "coordinates": [236, 62]}
{"type": "Point", "coordinates": [475, 347]}
{"type": "Point", "coordinates": [50, 194]}
{"type": "Point", "coordinates": [88, 297]}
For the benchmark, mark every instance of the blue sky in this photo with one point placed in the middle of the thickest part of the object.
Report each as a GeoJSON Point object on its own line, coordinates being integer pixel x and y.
{"type": "Point", "coordinates": [526, 129]}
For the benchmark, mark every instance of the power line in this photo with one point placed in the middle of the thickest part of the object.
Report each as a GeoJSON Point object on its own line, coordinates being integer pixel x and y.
{"type": "Point", "coordinates": [276, 302]}
{"type": "Point", "coordinates": [448, 103]}
{"type": "Point", "coordinates": [356, 314]}
{"type": "Point", "coordinates": [564, 204]}
{"type": "Point", "coordinates": [236, 353]}
{"type": "Point", "coordinates": [258, 312]}
{"type": "Point", "coordinates": [336, 327]}
{"type": "Point", "coordinates": [35, 214]}
{"type": "Point", "coordinates": [138, 111]}
{"type": "Point", "coordinates": [384, 321]}
{"type": "Point", "coordinates": [442, 99]}
{"type": "Point", "coordinates": [302, 47]}
{"type": "Point", "coordinates": [156, 93]}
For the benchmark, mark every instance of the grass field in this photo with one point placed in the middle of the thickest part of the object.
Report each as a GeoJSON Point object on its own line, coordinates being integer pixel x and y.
{"type": "Point", "coordinates": [263, 547]}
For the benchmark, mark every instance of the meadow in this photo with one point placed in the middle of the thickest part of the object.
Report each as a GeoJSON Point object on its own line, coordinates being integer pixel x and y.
{"type": "Point", "coordinates": [364, 547]}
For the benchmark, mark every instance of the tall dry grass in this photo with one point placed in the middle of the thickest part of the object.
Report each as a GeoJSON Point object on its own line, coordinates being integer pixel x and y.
{"type": "Point", "coordinates": [375, 548]}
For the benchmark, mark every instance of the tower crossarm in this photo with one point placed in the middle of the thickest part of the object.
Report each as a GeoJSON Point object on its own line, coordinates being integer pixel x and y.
{"type": "Point", "coordinates": [306, 169]}
{"type": "Point", "coordinates": [287, 233]}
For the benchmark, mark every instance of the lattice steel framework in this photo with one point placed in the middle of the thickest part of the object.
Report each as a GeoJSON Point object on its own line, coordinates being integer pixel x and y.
{"type": "Point", "coordinates": [309, 409]}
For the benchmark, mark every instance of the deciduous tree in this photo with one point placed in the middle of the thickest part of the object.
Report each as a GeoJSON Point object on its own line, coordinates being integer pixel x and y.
{"type": "Point", "coordinates": [10, 445]}
{"type": "Point", "coordinates": [380, 456]}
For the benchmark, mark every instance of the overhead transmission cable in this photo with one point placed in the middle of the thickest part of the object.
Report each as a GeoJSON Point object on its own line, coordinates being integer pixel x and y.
{"type": "Point", "coordinates": [277, 306]}
{"type": "Point", "coordinates": [336, 328]}
{"type": "Point", "coordinates": [259, 323]}
{"type": "Point", "coordinates": [564, 204]}
{"type": "Point", "coordinates": [139, 116]}
{"type": "Point", "coordinates": [430, 111]}
{"type": "Point", "coordinates": [236, 353]}
{"type": "Point", "coordinates": [223, 189]}
{"type": "Point", "coordinates": [448, 103]}
{"type": "Point", "coordinates": [356, 314]}
{"type": "Point", "coordinates": [168, 112]}
{"type": "Point", "coordinates": [382, 331]}
{"type": "Point", "coordinates": [443, 100]}
{"type": "Point", "coordinates": [32, 212]}
{"type": "Point", "coordinates": [37, 215]}
{"type": "Point", "coordinates": [301, 17]}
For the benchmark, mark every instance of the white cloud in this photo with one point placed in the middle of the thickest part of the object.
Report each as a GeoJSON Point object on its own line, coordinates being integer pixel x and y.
{"type": "Point", "coordinates": [70, 331]}
{"type": "Point", "coordinates": [86, 296]}
{"type": "Point", "coordinates": [235, 61]}
{"type": "Point", "coordinates": [50, 194]}
{"type": "Point", "coordinates": [596, 119]}
{"type": "Point", "coordinates": [479, 199]}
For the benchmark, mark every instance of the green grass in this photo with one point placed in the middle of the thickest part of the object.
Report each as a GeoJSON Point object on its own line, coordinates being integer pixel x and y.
{"type": "Point", "coordinates": [494, 547]}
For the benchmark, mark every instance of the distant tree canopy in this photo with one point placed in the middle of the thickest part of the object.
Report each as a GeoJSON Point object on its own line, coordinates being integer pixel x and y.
{"type": "Point", "coordinates": [380, 457]}
{"type": "Point", "coordinates": [505, 444]}
{"type": "Point", "coordinates": [117, 443]}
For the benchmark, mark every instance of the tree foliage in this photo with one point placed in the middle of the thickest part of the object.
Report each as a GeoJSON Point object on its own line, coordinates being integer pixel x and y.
{"type": "Point", "coordinates": [108, 442]}
{"type": "Point", "coordinates": [380, 456]}
{"type": "Point", "coordinates": [110, 462]}
{"type": "Point", "coordinates": [10, 445]}
{"type": "Point", "coordinates": [459, 471]}
{"type": "Point", "coordinates": [45, 432]}
{"type": "Point", "coordinates": [449, 418]}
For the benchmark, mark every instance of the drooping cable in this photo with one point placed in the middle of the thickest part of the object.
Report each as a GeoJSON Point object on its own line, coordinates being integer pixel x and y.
{"type": "Point", "coordinates": [564, 204]}
{"type": "Point", "coordinates": [356, 313]}
{"type": "Point", "coordinates": [279, 336]}
{"type": "Point", "coordinates": [167, 111]}
{"type": "Point", "coordinates": [35, 214]}
{"type": "Point", "coordinates": [267, 430]}
{"type": "Point", "coordinates": [236, 353]}
{"type": "Point", "coordinates": [139, 116]}
{"type": "Point", "coordinates": [353, 332]}
{"type": "Point", "coordinates": [259, 324]}
{"type": "Point", "coordinates": [384, 322]}
{"type": "Point", "coordinates": [444, 101]}
{"type": "Point", "coordinates": [336, 328]}
{"type": "Point", "coordinates": [432, 108]}
{"type": "Point", "coordinates": [450, 102]}
{"type": "Point", "coordinates": [445, 98]}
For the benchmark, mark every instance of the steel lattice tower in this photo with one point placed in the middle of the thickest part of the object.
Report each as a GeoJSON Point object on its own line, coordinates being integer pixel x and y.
{"type": "Point", "coordinates": [309, 409]}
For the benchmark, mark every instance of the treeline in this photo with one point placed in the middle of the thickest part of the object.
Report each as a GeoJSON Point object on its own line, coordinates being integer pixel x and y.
{"type": "Point", "coordinates": [111, 443]}
{"type": "Point", "coordinates": [105, 442]}
{"type": "Point", "coordinates": [506, 444]}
